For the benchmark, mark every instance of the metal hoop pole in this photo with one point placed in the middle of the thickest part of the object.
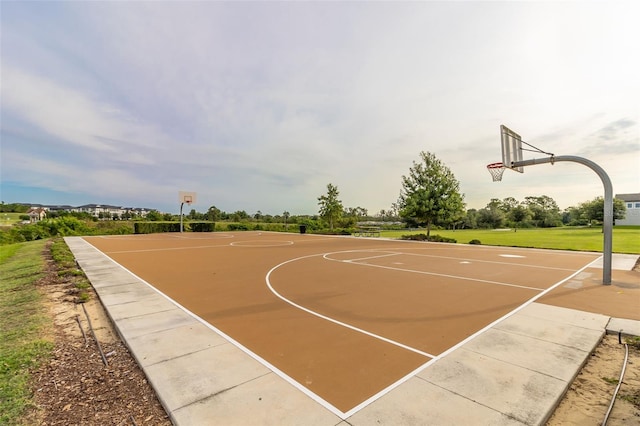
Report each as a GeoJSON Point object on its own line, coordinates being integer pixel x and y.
{"type": "Point", "coordinates": [607, 223]}
{"type": "Point", "coordinates": [181, 204]}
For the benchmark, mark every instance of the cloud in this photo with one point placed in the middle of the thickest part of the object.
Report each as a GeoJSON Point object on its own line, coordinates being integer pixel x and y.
{"type": "Point", "coordinates": [612, 130]}
{"type": "Point", "coordinates": [619, 137]}
{"type": "Point", "coordinates": [72, 117]}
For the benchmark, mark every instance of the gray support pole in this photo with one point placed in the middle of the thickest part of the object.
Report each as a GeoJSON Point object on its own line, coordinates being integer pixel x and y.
{"type": "Point", "coordinates": [607, 224]}
{"type": "Point", "coordinates": [181, 204]}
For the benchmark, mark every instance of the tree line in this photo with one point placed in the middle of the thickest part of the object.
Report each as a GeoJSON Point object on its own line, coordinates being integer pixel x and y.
{"type": "Point", "coordinates": [429, 197]}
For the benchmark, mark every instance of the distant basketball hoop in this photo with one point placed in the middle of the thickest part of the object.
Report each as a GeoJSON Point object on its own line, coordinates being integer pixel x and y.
{"type": "Point", "coordinates": [188, 198]}
{"type": "Point", "coordinates": [185, 197]}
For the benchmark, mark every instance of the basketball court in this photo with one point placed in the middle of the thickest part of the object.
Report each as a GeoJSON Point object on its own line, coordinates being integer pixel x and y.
{"type": "Point", "coordinates": [343, 319]}
{"type": "Point", "coordinates": [368, 329]}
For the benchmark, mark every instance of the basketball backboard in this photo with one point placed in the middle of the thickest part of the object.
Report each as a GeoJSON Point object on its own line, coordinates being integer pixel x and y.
{"type": "Point", "coordinates": [511, 148]}
{"type": "Point", "coordinates": [186, 197]}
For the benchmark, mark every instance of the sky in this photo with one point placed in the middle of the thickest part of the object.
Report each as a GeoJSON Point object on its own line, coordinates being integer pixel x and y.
{"type": "Point", "coordinates": [258, 106]}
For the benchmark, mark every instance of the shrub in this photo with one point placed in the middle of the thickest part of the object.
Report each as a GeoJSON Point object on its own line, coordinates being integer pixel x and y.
{"type": "Point", "coordinates": [237, 227]}
{"type": "Point", "coordinates": [336, 231]}
{"type": "Point", "coordinates": [202, 226]}
{"type": "Point", "coordinates": [155, 227]}
{"type": "Point", "coordinates": [430, 238]}
{"type": "Point", "coordinates": [475, 242]}
{"type": "Point", "coordinates": [112, 227]}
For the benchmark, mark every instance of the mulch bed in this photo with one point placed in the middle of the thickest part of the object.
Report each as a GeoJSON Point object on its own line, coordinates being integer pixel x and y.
{"type": "Point", "coordinates": [75, 387]}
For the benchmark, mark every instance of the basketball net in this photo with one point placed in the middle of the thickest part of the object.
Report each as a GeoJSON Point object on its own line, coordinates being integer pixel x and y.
{"type": "Point", "coordinates": [496, 170]}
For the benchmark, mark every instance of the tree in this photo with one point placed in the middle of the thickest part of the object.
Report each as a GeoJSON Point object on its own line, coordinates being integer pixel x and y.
{"type": "Point", "coordinates": [430, 193]}
{"type": "Point", "coordinates": [471, 219]}
{"type": "Point", "coordinates": [285, 215]}
{"type": "Point", "coordinates": [214, 214]}
{"type": "Point", "coordinates": [330, 206]}
{"type": "Point", "coordinates": [544, 211]}
{"type": "Point", "coordinates": [492, 216]}
{"type": "Point", "coordinates": [509, 204]}
{"type": "Point", "coordinates": [519, 214]}
{"type": "Point", "coordinates": [154, 215]}
{"type": "Point", "coordinates": [594, 209]}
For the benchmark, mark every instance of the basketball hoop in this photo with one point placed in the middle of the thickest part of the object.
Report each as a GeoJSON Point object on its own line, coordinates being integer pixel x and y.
{"type": "Point", "coordinates": [496, 170]}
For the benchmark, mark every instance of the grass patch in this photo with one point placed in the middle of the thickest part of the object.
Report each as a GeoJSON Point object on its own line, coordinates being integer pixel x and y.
{"type": "Point", "coordinates": [8, 251]}
{"type": "Point", "coordinates": [625, 239]}
{"type": "Point", "coordinates": [9, 219]}
{"type": "Point", "coordinates": [67, 268]}
{"type": "Point", "coordinates": [23, 323]}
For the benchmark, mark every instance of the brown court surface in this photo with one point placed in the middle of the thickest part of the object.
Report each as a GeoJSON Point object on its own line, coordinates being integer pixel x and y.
{"type": "Point", "coordinates": [348, 317]}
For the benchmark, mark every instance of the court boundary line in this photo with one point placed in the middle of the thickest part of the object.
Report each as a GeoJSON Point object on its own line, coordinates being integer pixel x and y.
{"type": "Point", "coordinates": [220, 236]}
{"type": "Point", "coordinates": [167, 249]}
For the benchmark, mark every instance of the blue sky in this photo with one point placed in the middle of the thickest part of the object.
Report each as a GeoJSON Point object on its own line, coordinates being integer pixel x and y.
{"type": "Point", "coordinates": [259, 105]}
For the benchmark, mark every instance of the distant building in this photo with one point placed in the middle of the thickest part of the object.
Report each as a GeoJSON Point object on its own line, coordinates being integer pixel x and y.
{"type": "Point", "coordinates": [632, 203]}
{"type": "Point", "coordinates": [100, 211]}
{"type": "Point", "coordinates": [109, 212]}
{"type": "Point", "coordinates": [36, 214]}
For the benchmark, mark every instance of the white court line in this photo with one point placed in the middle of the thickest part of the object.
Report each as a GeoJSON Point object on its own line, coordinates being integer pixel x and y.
{"type": "Point", "coordinates": [167, 249]}
{"type": "Point", "coordinates": [497, 262]}
{"type": "Point", "coordinates": [353, 262]}
{"type": "Point", "coordinates": [324, 317]}
{"type": "Point", "coordinates": [372, 257]}
{"type": "Point", "coordinates": [250, 243]}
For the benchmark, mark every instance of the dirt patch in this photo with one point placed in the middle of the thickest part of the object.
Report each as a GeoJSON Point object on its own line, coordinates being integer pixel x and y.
{"type": "Point", "coordinates": [589, 397]}
{"type": "Point", "coordinates": [75, 387]}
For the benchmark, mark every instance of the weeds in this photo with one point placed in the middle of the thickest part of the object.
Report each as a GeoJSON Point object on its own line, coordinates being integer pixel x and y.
{"type": "Point", "coordinates": [66, 263]}
{"type": "Point", "coordinates": [633, 342]}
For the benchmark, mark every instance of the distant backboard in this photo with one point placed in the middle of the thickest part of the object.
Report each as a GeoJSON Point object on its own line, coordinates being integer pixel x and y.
{"type": "Point", "coordinates": [511, 148]}
{"type": "Point", "coordinates": [186, 197]}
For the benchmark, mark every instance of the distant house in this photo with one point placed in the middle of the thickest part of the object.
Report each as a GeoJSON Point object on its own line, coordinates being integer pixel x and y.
{"type": "Point", "coordinates": [36, 214]}
{"type": "Point", "coordinates": [100, 211]}
{"type": "Point", "coordinates": [103, 211]}
{"type": "Point", "coordinates": [632, 202]}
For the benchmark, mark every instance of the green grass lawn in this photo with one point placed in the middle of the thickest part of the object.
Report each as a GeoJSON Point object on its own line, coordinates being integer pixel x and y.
{"type": "Point", "coordinates": [8, 219]}
{"type": "Point", "coordinates": [23, 326]}
{"type": "Point", "coordinates": [626, 239]}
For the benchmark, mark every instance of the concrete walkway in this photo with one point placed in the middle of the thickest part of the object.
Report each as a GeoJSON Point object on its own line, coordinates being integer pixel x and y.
{"type": "Point", "coordinates": [513, 373]}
